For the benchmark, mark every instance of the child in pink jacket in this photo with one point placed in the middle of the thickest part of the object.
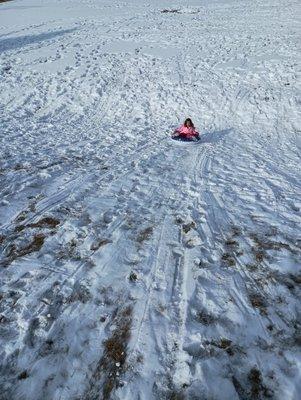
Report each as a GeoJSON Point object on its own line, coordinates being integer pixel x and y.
{"type": "Point", "coordinates": [186, 131]}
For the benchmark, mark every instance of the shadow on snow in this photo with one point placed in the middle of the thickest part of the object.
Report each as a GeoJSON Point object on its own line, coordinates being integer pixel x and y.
{"type": "Point", "coordinates": [215, 137]}
{"type": "Point", "coordinates": [17, 42]}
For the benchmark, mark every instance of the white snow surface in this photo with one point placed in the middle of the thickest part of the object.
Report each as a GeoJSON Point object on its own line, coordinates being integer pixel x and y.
{"type": "Point", "coordinates": [134, 267]}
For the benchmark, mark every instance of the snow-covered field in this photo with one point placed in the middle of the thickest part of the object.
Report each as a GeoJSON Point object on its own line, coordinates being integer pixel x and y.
{"type": "Point", "coordinates": [134, 267]}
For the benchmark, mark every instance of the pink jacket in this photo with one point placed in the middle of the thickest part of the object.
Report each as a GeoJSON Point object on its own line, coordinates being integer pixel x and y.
{"type": "Point", "coordinates": [186, 132]}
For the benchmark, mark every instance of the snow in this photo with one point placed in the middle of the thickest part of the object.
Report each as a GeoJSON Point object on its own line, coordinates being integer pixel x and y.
{"type": "Point", "coordinates": [133, 266]}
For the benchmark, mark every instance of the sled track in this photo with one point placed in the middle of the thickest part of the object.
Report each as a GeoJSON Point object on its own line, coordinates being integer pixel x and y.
{"type": "Point", "coordinates": [46, 205]}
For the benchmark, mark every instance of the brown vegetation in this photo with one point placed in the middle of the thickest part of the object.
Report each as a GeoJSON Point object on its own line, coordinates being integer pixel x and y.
{"type": "Point", "coordinates": [108, 371]}
{"type": "Point", "coordinates": [187, 227]}
{"type": "Point", "coordinates": [145, 234]}
{"type": "Point", "coordinates": [258, 301]}
{"type": "Point", "coordinates": [14, 253]}
{"type": "Point", "coordinates": [99, 243]}
{"type": "Point", "coordinates": [47, 222]}
{"type": "Point", "coordinates": [174, 11]}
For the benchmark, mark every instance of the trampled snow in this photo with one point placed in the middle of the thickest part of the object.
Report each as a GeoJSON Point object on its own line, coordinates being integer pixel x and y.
{"type": "Point", "coordinates": [133, 266]}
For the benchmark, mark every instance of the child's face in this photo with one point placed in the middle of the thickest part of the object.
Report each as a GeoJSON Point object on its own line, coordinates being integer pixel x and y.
{"type": "Point", "coordinates": [188, 124]}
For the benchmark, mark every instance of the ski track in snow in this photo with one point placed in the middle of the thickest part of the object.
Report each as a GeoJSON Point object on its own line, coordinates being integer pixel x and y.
{"type": "Point", "coordinates": [133, 266]}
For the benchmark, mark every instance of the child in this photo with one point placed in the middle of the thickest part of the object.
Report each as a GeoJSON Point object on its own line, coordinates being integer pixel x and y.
{"type": "Point", "coordinates": [186, 132]}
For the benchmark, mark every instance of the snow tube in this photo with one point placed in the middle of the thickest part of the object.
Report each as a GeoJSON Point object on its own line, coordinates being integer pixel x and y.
{"type": "Point", "coordinates": [185, 139]}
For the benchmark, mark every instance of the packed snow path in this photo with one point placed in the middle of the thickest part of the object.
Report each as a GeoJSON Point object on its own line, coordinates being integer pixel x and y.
{"type": "Point", "coordinates": [133, 266]}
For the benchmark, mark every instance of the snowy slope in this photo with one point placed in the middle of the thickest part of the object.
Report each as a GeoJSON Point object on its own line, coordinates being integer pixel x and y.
{"type": "Point", "coordinates": [132, 266]}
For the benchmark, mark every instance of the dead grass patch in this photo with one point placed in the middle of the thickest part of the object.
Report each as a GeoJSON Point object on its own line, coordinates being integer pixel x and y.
{"type": "Point", "coordinates": [179, 220]}
{"type": "Point", "coordinates": [258, 389]}
{"type": "Point", "coordinates": [99, 243]}
{"type": "Point", "coordinates": [296, 278]}
{"type": "Point", "coordinates": [176, 395]}
{"type": "Point", "coordinates": [133, 276]}
{"type": "Point", "coordinates": [239, 388]}
{"type": "Point", "coordinates": [69, 251]}
{"type": "Point", "coordinates": [231, 243]}
{"type": "Point", "coordinates": [46, 222]}
{"type": "Point", "coordinates": [21, 216]}
{"type": "Point", "coordinates": [24, 374]}
{"type": "Point", "coordinates": [35, 245]}
{"type": "Point", "coordinates": [205, 318]}
{"type": "Point", "coordinates": [253, 388]}
{"type": "Point", "coordinates": [14, 253]}
{"type": "Point", "coordinates": [252, 267]}
{"type": "Point", "coordinates": [145, 234]}
{"type": "Point", "coordinates": [170, 11]}
{"type": "Point", "coordinates": [225, 344]}
{"type": "Point", "coordinates": [232, 249]}
{"type": "Point", "coordinates": [288, 280]}
{"type": "Point", "coordinates": [187, 227]}
{"type": "Point", "coordinates": [263, 244]}
{"type": "Point", "coordinates": [115, 352]}
{"type": "Point", "coordinates": [107, 374]}
{"type": "Point", "coordinates": [17, 167]}
{"type": "Point", "coordinates": [258, 301]}
{"type": "Point", "coordinates": [259, 255]}
{"type": "Point", "coordinates": [228, 259]}
{"type": "Point", "coordinates": [236, 231]}
{"type": "Point", "coordinates": [80, 293]}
